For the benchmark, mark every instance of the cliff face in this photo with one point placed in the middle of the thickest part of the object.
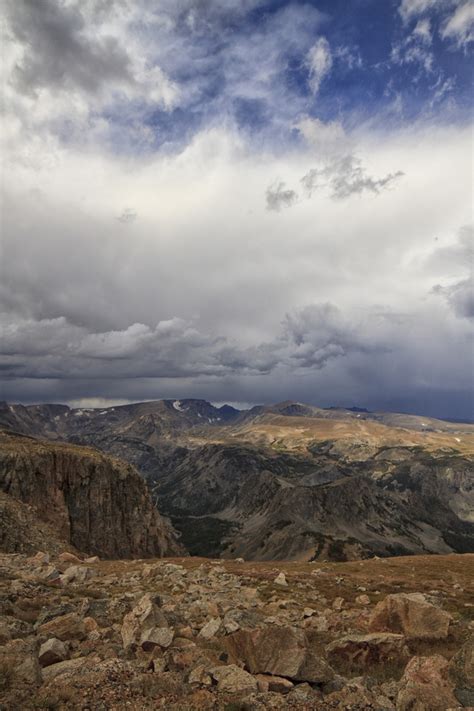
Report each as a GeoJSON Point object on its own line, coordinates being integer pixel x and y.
{"type": "Point", "coordinates": [99, 504]}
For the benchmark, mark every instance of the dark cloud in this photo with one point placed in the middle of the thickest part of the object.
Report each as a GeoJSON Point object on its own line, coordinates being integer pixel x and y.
{"type": "Point", "coordinates": [57, 52]}
{"type": "Point", "coordinates": [278, 196]}
{"type": "Point", "coordinates": [56, 348]}
{"type": "Point", "coordinates": [460, 297]}
{"type": "Point", "coordinates": [127, 216]}
{"type": "Point", "coordinates": [345, 177]}
{"type": "Point", "coordinates": [452, 261]}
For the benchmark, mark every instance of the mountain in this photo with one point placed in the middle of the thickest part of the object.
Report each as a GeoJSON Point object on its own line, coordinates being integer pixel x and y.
{"type": "Point", "coordinates": [286, 481]}
{"type": "Point", "coordinates": [98, 504]}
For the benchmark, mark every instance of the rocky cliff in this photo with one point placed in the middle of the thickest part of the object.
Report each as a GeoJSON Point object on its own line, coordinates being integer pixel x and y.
{"type": "Point", "coordinates": [99, 504]}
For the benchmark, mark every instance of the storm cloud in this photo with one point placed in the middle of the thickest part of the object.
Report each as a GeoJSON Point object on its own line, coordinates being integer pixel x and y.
{"type": "Point", "coordinates": [189, 212]}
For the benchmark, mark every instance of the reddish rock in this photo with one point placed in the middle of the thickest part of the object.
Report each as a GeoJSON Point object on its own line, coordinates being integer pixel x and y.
{"type": "Point", "coordinates": [279, 651]}
{"type": "Point", "coordinates": [64, 627]}
{"type": "Point", "coordinates": [426, 685]}
{"type": "Point", "coordinates": [411, 615]}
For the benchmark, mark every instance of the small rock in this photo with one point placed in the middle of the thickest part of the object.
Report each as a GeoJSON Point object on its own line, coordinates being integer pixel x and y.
{"type": "Point", "coordinates": [338, 604]}
{"type": "Point", "coordinates": [76, 574]}
{"type": "Point", "coordinates": [277, 684]}
{"type": "Point", "coordinates": [308, 612]}
{"type": "Point", "coordinates": [67, 557]}
{"type": "Point", "coordinates": [51, 652]}
{"type": "Point", "coordinates": [40, 558]}
{"type": "Point", "coordinates": [233, 679]}
{"type": "Point", "coordinates": [199, 675]}
{"type": "Point", "coordinates": [92, 559]}
{"type": "Point", "coordinates": [156, 637]}
{"type": "Point", "coordinates": [362, 600]}
{"type": "Point", "coordinates": [211, 628]}
{"type": "Point", "coordinates": [231, 626]}
{"type": "Point", "coordinates": [281, 580]}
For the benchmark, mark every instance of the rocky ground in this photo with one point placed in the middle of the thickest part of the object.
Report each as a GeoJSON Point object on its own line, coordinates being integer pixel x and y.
{"type": "Point", "coordinates": [193, 633]}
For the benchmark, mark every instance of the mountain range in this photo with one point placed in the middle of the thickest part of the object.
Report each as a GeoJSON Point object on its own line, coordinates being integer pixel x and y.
{"type": "Point", "coordinates": [286, 481]}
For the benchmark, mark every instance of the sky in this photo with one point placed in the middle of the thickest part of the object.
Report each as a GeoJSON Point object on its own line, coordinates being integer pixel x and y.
{"type": "Point", "coordinates": [240, 200]}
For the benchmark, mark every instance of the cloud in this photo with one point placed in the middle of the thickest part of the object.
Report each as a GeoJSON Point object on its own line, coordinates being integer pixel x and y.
{"type": "Point", "coordinates": [345, 177]}
{"type": "Point", "coordinates": [412, 8]}
{"type": "Point", "coordinates": [455, 262]}
{"type": "Point", "coordinates": [183, 112]}
{"type": "Point", "coordinates": [319, 59]}
{"type": "Point", "coordinates": [456, 23]}
{"type": "Point", "coordinates": [58, 54]}
{"type": "Point", "coordinates": [52, 348]}
{"type": "Point", "coordinates": [415, 47]}
{"type": "Point", "coordinates": [460, 26]}
{"type": "Point", "coordinates": [278, 196]}
{"type": "Point", "coordinates": [127, 216]}
{"type": "Point", "coordinates": [326, 139]}
{"type": "Point", "coordinates": [460, 297]}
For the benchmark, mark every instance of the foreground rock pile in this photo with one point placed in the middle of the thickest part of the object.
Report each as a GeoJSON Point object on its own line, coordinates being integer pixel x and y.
{"type": "Point", "coordinates": [199, 634]}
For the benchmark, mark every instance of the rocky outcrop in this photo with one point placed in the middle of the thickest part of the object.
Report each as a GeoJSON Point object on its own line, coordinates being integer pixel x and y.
{"type": "Point", "coordinates": [98, 504]}
{"type": "Point", "coordinates": [22, 531]}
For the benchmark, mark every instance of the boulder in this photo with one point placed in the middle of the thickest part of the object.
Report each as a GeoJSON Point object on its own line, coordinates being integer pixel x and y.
{"type": "Point", "coordinates": [65, 627]}
{"type": "Point", "coordinates": [156, 637]}
{"type": "Point", "coordinates": [51, 652]}
{"type": "Point", "coordinates": [426, 686]}
{"type": "Point", "coordinates": [359, 652]}
{"type": "Point", "coordinates": [232, 679]}
{"type": "Point", "coordinates": [279, 651]}
{"type": "Point", "coordinates": [411, 615]}
{"type": "Point", "coordinates": [145, 616]}
{"type": "Point", "coordinates": [461, 671]}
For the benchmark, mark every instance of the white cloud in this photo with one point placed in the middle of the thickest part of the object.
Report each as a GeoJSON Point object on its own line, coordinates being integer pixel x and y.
{"type": "Point", "coordinates": [423, 31]}
{"type": "Point", "coordinates": [319, 60]}
{"type": "Point", "coordinates": [460, 26]}
{"type": "Point", "coordinates": [412, 8]}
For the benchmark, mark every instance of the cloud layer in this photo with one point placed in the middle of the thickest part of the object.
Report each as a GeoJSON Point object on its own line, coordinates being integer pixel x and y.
{"type": "Point", "coordinates": [193, 209]}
